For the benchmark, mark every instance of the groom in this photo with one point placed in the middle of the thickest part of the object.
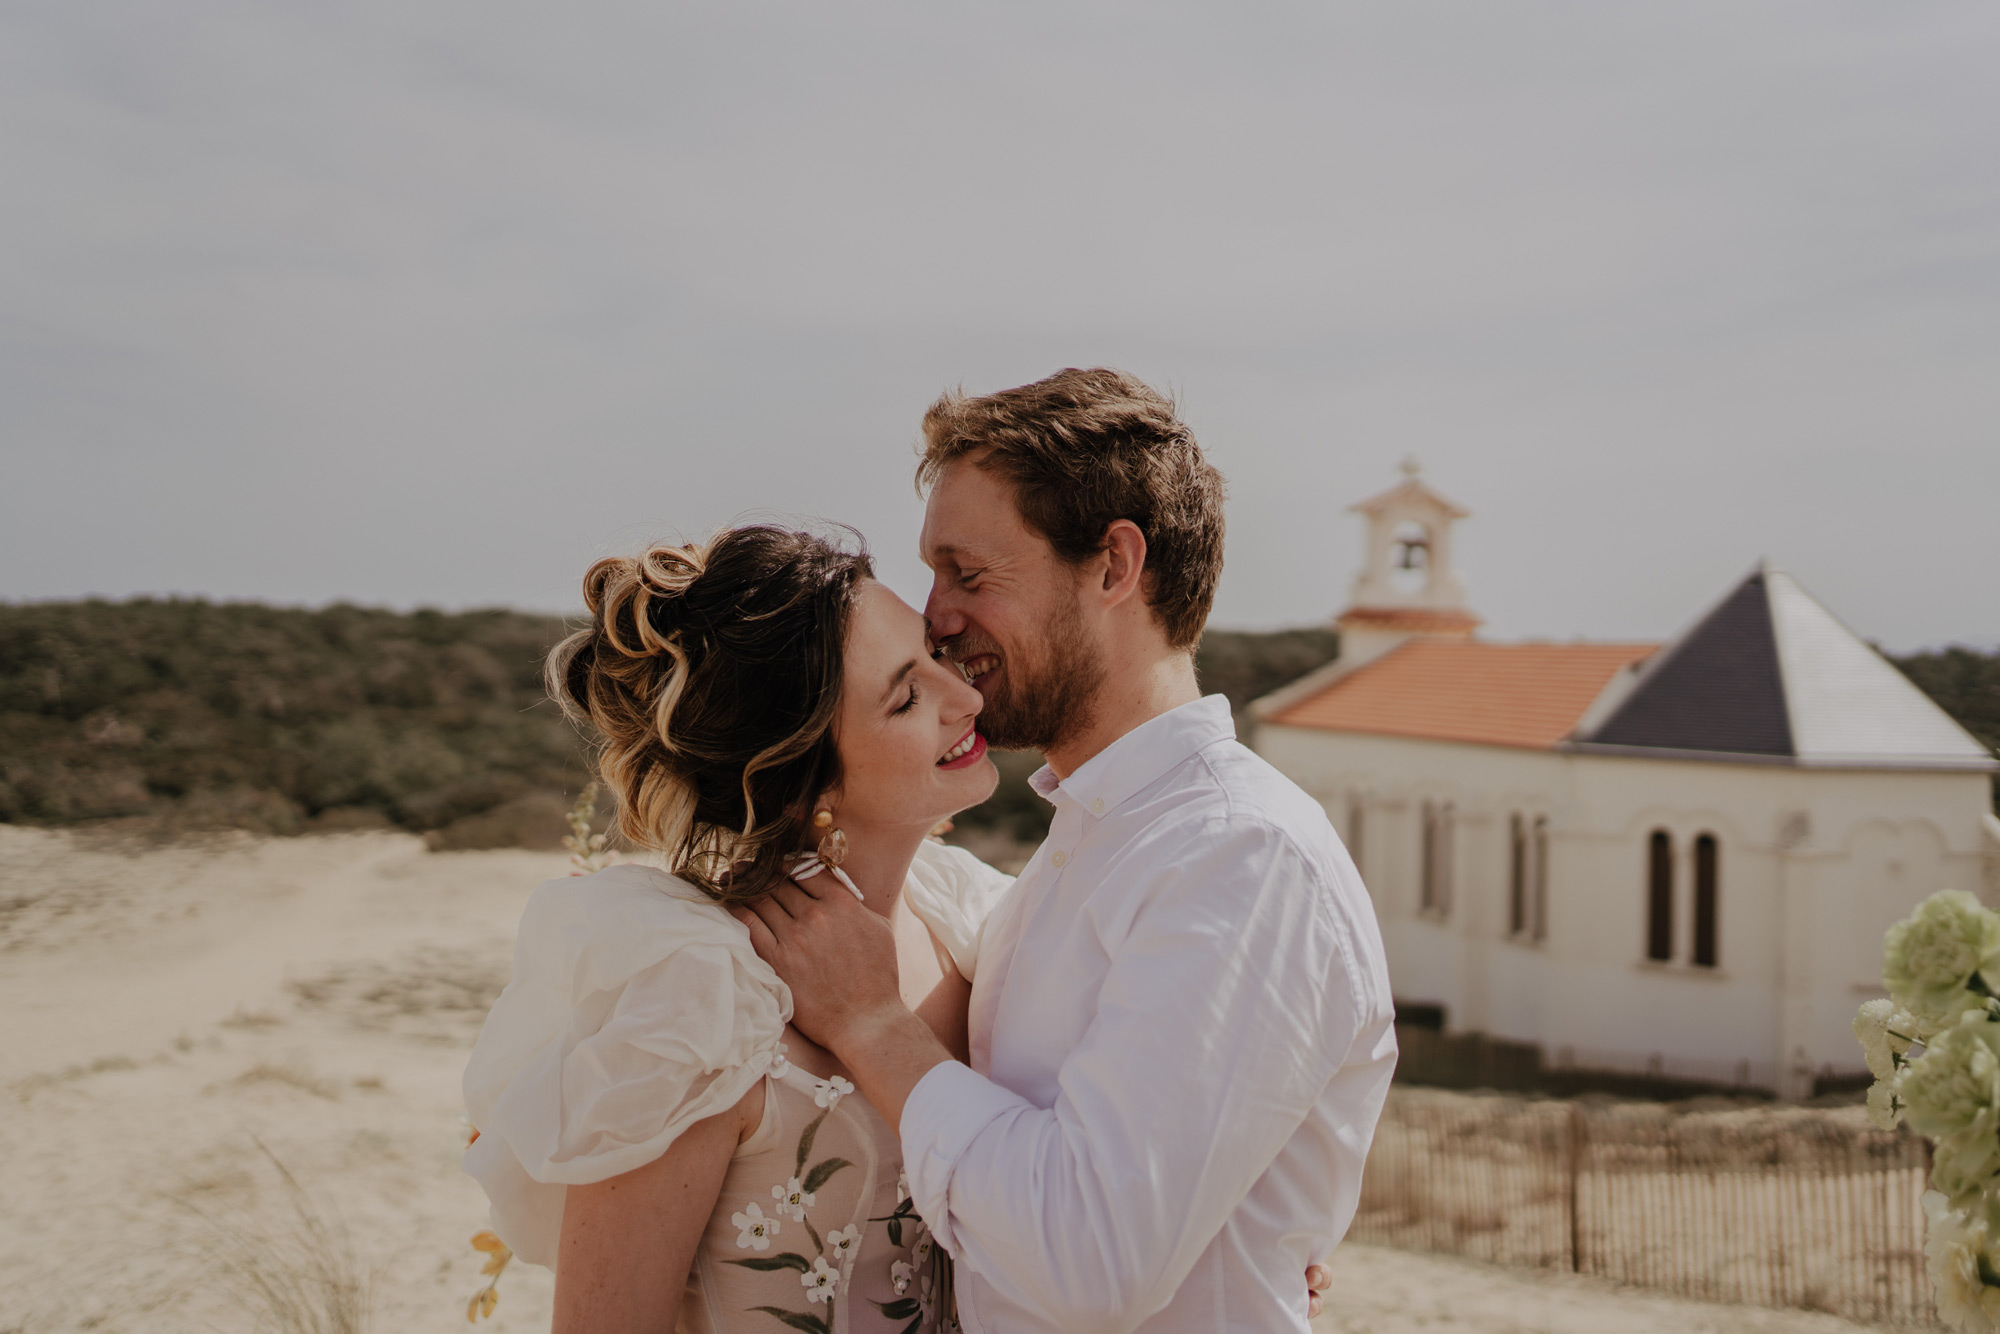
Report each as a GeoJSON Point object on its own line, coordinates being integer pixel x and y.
{"type": "Point", "coordinates": [1181, 1033]}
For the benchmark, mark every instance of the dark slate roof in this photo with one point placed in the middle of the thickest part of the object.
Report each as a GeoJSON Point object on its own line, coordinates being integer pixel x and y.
{"type": "Point", "coordinates": [1720, 688]}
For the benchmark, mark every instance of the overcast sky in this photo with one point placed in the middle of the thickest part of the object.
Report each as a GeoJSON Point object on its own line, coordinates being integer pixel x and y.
{"type": "Point", "coordinates": [432, 301]}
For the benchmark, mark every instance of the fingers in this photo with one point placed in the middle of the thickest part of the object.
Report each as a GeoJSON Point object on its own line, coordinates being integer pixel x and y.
{"type": "Point", "coordinates": [761, 939]}
{"type": "Point", "coordinates": [1318, 1278]}
{"type": "Point", "coordinates": [791, 898]}
{"type": "Point", "coordinates": [767, 916]}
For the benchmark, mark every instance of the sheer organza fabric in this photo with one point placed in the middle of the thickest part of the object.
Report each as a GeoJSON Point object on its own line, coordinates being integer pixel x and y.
{"type": "Point", "coordinates": [637, 1007]}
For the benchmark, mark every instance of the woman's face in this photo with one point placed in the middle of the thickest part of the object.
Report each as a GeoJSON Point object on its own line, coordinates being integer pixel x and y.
{"type": "Point", "coordinates": [908, 751]}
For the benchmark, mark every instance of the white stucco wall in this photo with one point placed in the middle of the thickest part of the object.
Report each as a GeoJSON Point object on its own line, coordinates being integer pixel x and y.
{"type": "Point", "coordinates": [1815, 865]}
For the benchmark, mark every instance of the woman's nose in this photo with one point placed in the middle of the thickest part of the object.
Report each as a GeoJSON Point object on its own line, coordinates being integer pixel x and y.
{"type": "Point", "coordinates": [963, 694]}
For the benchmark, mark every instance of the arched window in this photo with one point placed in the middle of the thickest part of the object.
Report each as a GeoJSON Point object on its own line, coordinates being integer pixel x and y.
{"type": "Point", "coordinates": [1356, 820]}
{"type": "Point", "coordinates": [1707, 874]}
{"type": "Point", "coordinates": [1517, 875]}
{"type": "Point", "coordinates": [1539, 880]}
{"type": "Point", "coordinates": [1427, 882]}
{"type": "Point", "coordinates": [1434, 892]}
{"type": "Point", "coordinates": [1660, 896]}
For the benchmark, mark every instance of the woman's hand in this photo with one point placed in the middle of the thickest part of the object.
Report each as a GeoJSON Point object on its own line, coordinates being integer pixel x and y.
{"type": "Point", "coordinates": [1318, 1279]}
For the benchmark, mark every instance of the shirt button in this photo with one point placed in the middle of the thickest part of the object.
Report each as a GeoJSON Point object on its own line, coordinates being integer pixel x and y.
{"type": "Point", "coordinates": [1058, 857]}
{"type": "Point", "coordinates": [1097, 806]}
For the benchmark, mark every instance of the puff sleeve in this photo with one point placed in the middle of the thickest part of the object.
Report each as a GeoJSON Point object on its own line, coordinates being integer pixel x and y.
{"type": "Point", "coordinates": [637, 1008]}
{"type": "Point", "coordinates": [954, 892]}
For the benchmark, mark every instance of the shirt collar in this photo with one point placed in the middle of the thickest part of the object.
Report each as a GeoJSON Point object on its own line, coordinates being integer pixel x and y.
{"type": "Point", "coordinates": [1112, 776]}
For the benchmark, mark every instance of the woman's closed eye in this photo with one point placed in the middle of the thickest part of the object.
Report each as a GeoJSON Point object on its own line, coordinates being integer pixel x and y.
{"type": "Point", "coordinates": [909, 703]}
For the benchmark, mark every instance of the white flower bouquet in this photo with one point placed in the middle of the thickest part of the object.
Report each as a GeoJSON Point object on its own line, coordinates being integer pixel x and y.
{"type": "Point", "coordinates": [1934, 1049]}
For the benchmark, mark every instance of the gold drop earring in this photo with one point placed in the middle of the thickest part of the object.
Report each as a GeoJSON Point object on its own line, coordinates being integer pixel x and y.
{"type": "Point", "coordinates": [832, 851]}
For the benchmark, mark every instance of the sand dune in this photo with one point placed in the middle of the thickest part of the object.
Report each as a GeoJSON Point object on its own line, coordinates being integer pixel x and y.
{"type": "Point", "coordinates": [169, 1009]}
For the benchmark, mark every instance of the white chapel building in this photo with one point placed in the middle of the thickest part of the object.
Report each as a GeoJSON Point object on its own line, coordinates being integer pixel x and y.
{"type": "Point", "coordinates": [1675, 859]}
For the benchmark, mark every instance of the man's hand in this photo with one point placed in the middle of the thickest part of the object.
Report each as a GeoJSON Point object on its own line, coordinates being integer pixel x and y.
{"type": "Point", "coordinates": [838, 958]}
{"type": "Point", "coordinates": [840, 961]}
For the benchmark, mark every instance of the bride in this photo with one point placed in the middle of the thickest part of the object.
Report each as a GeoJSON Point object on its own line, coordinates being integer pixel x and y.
{"type": "Point", "coordinates": [649, 1124]}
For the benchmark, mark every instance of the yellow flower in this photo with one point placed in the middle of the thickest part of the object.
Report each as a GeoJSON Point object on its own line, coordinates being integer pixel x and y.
{"type": "Point", "coordinates": [498, 1256]}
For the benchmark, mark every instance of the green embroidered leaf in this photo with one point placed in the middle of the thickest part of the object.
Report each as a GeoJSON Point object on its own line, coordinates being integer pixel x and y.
{"type": "Point", "coordinates": [811, 1324]}
{"type": "Point", "coordinates": [897, 1309]}
{"type": "Point", "coordinates": [895, 1231]}
{"type": "Point", "coordinates": [768, 1263]}
{"type": "Point", "coordinates": [823, 1172]}
{"type": "Point", "coordinates": [911, 1328]}
{"type": "Point", "coordinates": [806, 1139]}
{"type": "Point", "coordinates": [811, 1232]}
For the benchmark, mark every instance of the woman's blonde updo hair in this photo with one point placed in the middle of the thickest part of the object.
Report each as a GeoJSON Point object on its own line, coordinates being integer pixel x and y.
{"type": "Point", "coordinates": [711, 674]}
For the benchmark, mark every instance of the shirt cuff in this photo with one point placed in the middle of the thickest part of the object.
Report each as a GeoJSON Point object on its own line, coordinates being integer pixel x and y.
{"type": "Point", "coordinates": [943, 1114]}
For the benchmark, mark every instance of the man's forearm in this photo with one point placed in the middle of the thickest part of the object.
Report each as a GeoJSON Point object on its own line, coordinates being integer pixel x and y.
{"type": "Point", "coordinates": [888, 1053]}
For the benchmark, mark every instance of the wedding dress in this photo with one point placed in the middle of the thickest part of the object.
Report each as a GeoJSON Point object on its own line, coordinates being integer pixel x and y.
{"type": "Point", "coordinates": [637, 1008]}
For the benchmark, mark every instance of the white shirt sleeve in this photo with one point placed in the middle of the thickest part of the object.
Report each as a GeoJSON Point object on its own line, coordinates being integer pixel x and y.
{"type": "Point", "coordinates": [1231, 999]}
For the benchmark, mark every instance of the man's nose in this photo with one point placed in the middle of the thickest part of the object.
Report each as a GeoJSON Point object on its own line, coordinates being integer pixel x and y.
{"type": "Point", "coordinates": [945, 618]}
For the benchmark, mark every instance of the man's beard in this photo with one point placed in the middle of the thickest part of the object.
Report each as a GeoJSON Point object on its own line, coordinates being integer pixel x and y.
{"type": "Point", "coordinates": [1040, 709]}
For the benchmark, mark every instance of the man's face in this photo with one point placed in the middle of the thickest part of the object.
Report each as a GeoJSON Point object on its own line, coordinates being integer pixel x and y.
{"type": "Point", "coordinates": [1009, 611]}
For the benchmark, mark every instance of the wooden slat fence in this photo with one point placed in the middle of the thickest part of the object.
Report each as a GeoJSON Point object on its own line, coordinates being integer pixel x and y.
{"type": "Point", "coordinates": [1767, 1206]}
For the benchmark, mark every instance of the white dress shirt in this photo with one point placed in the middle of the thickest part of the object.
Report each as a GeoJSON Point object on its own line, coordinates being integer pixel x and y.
{"type": "Point", "coordinates": [1181, 1039]}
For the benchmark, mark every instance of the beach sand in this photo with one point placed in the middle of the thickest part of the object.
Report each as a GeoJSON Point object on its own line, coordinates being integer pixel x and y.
{"type": "Point", "coordinates": [169, 1010]}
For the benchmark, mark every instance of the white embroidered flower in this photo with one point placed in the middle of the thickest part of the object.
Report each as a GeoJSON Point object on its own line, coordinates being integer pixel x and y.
{"type": "Point", "coordinates": [902, 1185]}
{"type": "Point", "coordinates": [793, 1198]}
{"type": "Point", "coordinates": [820, 1281]}
{"type": "Point", "coordinates": [828, 1092]}
{"type": "Point", "coordinates": [781, 1063]}
{"type": "Point", "coordinates": [1960, 1252]}
{"type": "Point", "coordinates": [900, 1274]}
{"type": "Point", "coordinates": [757, 1229]}
{"type": "Point", "coordinates": [841, 1244]}
{"type": "Point", "coordinates": [922, 1250]}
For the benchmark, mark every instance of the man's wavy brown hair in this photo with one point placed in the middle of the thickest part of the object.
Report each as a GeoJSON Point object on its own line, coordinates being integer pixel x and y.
{"type": "Point", "coordinates": [711, 675]}
{"type": "Point", "coordinates": [1084, 449]}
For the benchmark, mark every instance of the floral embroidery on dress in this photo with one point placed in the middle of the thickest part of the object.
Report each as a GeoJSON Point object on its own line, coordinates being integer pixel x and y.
{"type": "Point", "coordinates": [793, 1198]}
{"type": "Point", "coordinates": [928, 1269]}
{"type": "Point", "coordinates": [757, 1229]}
{"type": "Point", "coordinates": [821, 1281]}
{"type": "Point", "coordinates": [781, 1061]}
{"type": "Point", "coordinates": [921, 1278]}
{"type": "Point", "coordinates": [840, 1244]}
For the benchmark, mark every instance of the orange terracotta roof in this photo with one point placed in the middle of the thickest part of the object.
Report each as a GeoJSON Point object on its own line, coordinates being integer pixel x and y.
{"type": "Point", "coordinates": [1408, 618]}
{"type": "Point", "coordinates": [1528, 695]}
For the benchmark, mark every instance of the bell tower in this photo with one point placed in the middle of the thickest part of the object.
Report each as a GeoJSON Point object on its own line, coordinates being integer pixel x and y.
{"type": "Point", "coordinates": [1408, 586]}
